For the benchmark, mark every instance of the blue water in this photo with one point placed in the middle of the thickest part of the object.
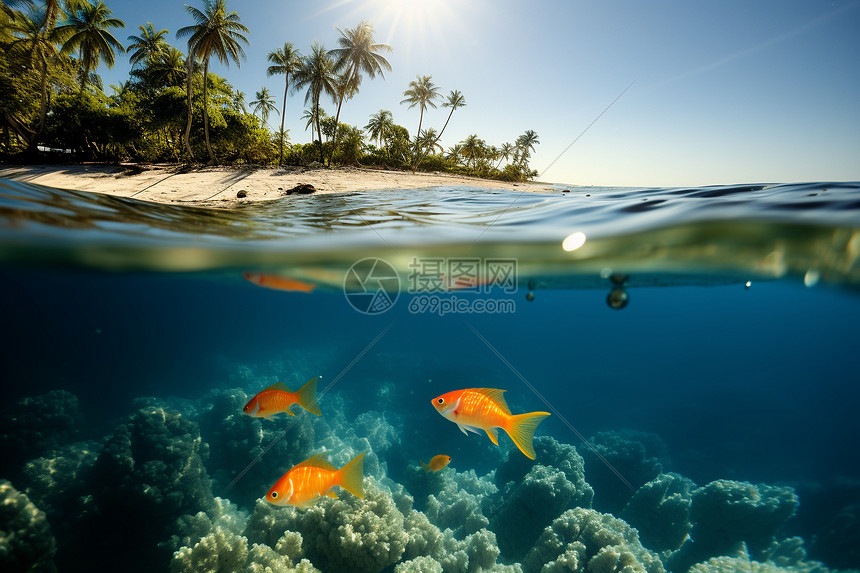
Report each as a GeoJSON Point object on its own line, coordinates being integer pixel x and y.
{"type": "Point", "coordinates": [131, 341]}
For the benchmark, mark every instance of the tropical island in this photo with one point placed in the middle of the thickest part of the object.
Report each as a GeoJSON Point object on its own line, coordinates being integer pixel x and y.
{"type": "Point", "coordinates": [173, 111]}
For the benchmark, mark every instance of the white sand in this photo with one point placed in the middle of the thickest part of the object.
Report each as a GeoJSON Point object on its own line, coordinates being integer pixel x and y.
{"type": "Point", "coordinates": [218, 186]}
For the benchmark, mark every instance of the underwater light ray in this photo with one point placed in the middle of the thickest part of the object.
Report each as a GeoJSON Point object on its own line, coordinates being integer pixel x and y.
{"type": "Point", "coordinates": [551, 407]}
{"type": "Point", "coordinates": [630, 85]}
{"type": "Point", "coordinates": [301, 414]}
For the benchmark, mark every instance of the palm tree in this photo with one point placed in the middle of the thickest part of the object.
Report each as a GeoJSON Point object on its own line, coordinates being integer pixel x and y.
{"type": "Point", "coordinates": [473, 149]}
{"type": "Point", "coordinates": [421, 93]}
{"type": "Point", "coordinates": [358, 53]}
{"type": "Point", "coordinates": [505, 152]}
{"type": "Point", "coordinates": [311, 116]}
{"type": "Point", "coordinates": [146, 46]}
{"type": "Point", "coordinates": [317, 74]}
{"type": "Point", "coordinates": [526, 144]}
{"type": "Point", "coordinates": [264, 104]}
{"type": "Point", "coordinates": [216, 32]}
{"type": "Point", "coordinates": [455, 100]}
{"type": "Point", "coordinates": [86, 30]}
{"type": "Point", "coordinates": [239, 101]}
{"type": "Point", "coordinates": [428, 141]}
{"type": "Point", "coordinates": [37, 42]}
{"type": "Point", "coordinates": [285, 61]}
{"type": "Point", "coordinates": [167, 68]}
{"type": "Point", "coordinates": [380, 125]}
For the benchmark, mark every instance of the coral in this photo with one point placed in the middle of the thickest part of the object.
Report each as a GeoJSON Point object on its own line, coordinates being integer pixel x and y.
{"type": "Point", "coordinates": [150, 470]}
{"type": "Point", "coordinates": [631, 454]}
{"type": "Point", "coordinates": [585, 540]}
{"type": "Point", "coordinates": [744, 564]}
{"type": "Point", "coordinates": [221, 551]}
{"type": "Point", "coordinates": [55, 481]}
{"type": "Point", "coordinates": [348, 533]}
{"type": "Point", "coordinates": [26, 542]}
{"type": "Point", "coordinates": [660, 510]}
{"type": "Point", "coordinates": [456, 500]}
{"type": "Point", "coordinates": [532, 494]}
{"type": "Point", "coordinates": [422, 564]}
{"type": "Point", "coordinates": [35, 425]}
{"type": "Point", "coordinates": [729, 517]}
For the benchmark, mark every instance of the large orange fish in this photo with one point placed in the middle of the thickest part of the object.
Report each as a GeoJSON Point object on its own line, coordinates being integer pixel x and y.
{"type": "Point", "coordinates": [278, 398]}
{"type": "Point", "coordinates": [315, 477]}
{"type": "Point", "coordinates": [278, 282]}
{"type": "Point", "coordinates": [436, 463]}
{"type": "Point", "coordinates": [485, 409]}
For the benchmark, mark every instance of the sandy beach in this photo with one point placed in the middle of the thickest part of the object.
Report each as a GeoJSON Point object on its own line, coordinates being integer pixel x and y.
{"type": "Point", "coordinates": [224, 187]}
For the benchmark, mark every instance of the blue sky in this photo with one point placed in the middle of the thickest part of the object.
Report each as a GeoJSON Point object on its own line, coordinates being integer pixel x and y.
{"type": "Point", "coordinates": [724, 92]}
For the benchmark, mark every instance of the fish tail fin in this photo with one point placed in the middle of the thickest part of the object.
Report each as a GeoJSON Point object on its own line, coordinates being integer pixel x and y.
{"type": "Point", "coordinates": [352, 476]}
{"type": "Point", "coordinates": [425, 466]}
{"type": "Point", "coordinates": [522, 429]}
{"type": "Point", "coordinates": [307, 397]}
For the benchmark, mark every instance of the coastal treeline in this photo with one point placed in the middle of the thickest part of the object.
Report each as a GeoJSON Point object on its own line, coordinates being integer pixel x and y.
{"type": "Point", "coordinates": [172, 108]}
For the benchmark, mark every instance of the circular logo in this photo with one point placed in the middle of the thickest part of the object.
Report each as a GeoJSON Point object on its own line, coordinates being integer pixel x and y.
{"type": "Point", "coordinates": [371, 286]}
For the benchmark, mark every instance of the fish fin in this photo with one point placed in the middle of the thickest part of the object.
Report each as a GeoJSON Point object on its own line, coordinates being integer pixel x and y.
{"type": "Point", "coordinates": [307, 397]}
{"type": "Point", "coordinates": [351, 476]}
{"type": "Point", "coordinates": [289, 413]}
{"type": "Point", "coordinates": [493, 433]}
{"type": "Point", "coordinates": [317, 461]}
{"type": "Point", "coordinates": [466, 429]}
{"type": "Point", "coordinates": [426, 467]}
{"type": "Point", "coordinates": [522, 430]}
{"type": "Point", "coordinates": [496, 396]}
{"type": "Point", "coordinates": [278, 386]}
{"type": "Point", "coordinates": [331, 494]}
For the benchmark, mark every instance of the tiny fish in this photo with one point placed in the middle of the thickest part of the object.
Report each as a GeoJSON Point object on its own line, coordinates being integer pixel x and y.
{"type": "Point", "coordinates": [278, 282]}
{"type": "Point", "coordinates": [485, 409]}
{"type": "Point", "coordinates": [315, 477]}
{"type": "Point", "coordinates": [278, 398]}
{"type": "Point", "coordinates": [436, 463]}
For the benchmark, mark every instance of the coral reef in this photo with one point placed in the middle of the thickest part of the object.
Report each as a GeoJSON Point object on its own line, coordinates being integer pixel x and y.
{"type": "Point", "coordinates": [35, 425]}
{"type": "Point", "coordinates": [585, 540]}
{"type": "Point", "coordinates": [732, 517]}
{"type": "Point", "coordinates": [26, 542]}
{"type": "Point", "coordinates": [660, 510]}
{"type": "Point", "coordinates": [150, 470]}
{"type": "Point", "coordinates": [532, 494]}
{"type": "Point", "coordinates": [632, 454]}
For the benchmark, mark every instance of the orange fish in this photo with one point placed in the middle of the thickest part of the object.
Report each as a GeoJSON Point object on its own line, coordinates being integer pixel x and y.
{"type": "Point", "coordinates": [485, 409]}
{"type": "Point", "coordinates": [278, 398]}
{"type": "Point", "coordinates": [314, 478]}
{"type": "Point", "coordinates": [278, 282]}
{"type": "Point", "coordinates": [436, 463]}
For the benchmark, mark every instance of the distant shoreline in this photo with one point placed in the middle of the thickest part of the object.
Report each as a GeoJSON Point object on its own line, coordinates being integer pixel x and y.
{"type": "Point", "coordinates": [220, 187]}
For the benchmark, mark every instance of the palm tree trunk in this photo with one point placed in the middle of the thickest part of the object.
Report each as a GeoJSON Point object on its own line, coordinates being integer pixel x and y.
{"type": "Point", "coordinates": [336, 119]}
{"type": "Point", "coordinates": [190, 63]}
{"type": "Point", "coordinates": [444, 126]}
{"type": "Point", "coordinates": [319, 131]}
{"type": "Point", "coordinates": [283, 113]}
{"type": "Point", "coordinates": [206, 109]}
{"type": "Point", "coordinates": [415, 151]}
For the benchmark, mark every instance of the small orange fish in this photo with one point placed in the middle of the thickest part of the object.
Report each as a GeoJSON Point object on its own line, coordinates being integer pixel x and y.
{"type": "Point", "coordinates": [436, 463]}
{"type": "Point", "coordinates": [278, 398]}
{"type": "Point", "coordinates": [485, 409]}
{"type": "Point", "coordinates": [315, 477]}
{"type": "Point", "coordinates": [278, 282]}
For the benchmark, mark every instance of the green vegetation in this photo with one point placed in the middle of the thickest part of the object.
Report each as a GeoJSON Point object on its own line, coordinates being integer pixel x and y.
{"type": "Point", "coordinates": [172, 109]}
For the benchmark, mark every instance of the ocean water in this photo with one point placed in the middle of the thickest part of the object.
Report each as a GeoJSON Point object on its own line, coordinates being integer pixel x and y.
{"type": "Point", "coordinates": [696, 348]}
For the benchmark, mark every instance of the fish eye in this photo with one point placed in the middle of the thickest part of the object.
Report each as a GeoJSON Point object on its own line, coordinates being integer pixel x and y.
{"type": "Point", "coordinates": [274, 494]}
{"type": "Point", "coordinates": [245, 409]}
{"type": "Point", "coordinates": [440, 401]}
